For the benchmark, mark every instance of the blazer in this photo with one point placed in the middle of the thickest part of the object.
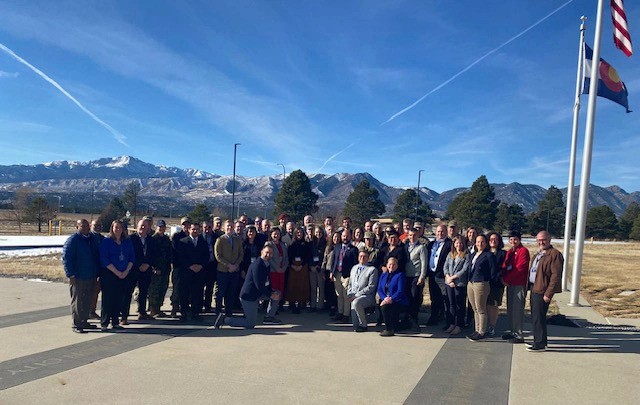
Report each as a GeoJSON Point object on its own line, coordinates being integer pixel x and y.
{"type": "Point", "coordinates": [442, 257]}
{"type": "Point", "coordinates": [399, 253]}
{"type": "Point", "coordinates": [256, 282]}
{"type": "Point", "coordinates": [417, 262]}
{"type": "Point", "coordinates": [393, 285]}
{"type": "Point", "coordinates": [349, 259]}
{"type": "Point", "coordinates": [500, 255]}
{"type": "Point", "coordinates": [227, 252]}
{"type": "Point", "coordinates": [189, 254]}
{"type": "Point", "coordinates": [458, 266]}
{"type": "Point", "coordinates": [367, 281]}
{"type": "Point", "coordinates": [483, 268]}
{"type": "Point", "coordinates": [149, 257]}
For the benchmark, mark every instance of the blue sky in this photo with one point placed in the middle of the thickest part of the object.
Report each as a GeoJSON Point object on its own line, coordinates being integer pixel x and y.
{"type": "Point", "coordinates": [310, 84]}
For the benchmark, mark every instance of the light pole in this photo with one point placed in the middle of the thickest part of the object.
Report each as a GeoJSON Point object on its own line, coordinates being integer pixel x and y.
{"type": "Point", "coordinates": [284, 173]}
{"type": "Point", "coordinates": [233, 186]}
{"type": "Point", "coordinates": [418, 195]}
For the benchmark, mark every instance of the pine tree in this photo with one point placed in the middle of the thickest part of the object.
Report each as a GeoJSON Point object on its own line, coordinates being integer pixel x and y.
{"type": "Point", "coordinates": [626, 220]}
{"type": "Point", "coordinates": [510, 218]}
{"type": "Point", "coordinates": [550, 214]}
{"type": "Point", "coordinates": [115, 210]}
{"type": "Point", "coordinates": [363, 203]}
{"type": "Point", "coordinates": [635, 229]}
{"type": "Point", "coordinates": [405, 207]}
{"type": "Point", "coordinates": [601, 223]}
{"type": "Point", "coordinates": [296, 197]}
{"type": "Point", "coordinates": [200, 213]}
{"type": "Point", "coordinates": [476, 207]}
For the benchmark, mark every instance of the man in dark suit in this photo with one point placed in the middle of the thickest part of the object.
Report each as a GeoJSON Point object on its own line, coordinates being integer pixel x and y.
{"type": "Point", "coordinates": [146, 254]}
{"type": "Point", "coordinates": [185, 222]}
{"type": "Point", "coordinates": [345, 256]}
{"type": "Point", "coordinates": [193, 256]}
{"type": "Point", "coordinates": [211, 269]}
{"type": "Point", "coordinates": [437, 252]}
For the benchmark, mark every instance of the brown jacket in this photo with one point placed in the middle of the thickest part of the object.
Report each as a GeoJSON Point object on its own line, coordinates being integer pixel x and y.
{"type": "Point", "coordinates": [549, 272]}
{"type": "Point", "coordinates": [226, 254]}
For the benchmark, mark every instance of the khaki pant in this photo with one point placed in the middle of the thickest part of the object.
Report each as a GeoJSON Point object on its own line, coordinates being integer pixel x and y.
{"type": "Point", "coordinates": [478, 294]}
{"type": "Point", "coordinates": [341, 284]}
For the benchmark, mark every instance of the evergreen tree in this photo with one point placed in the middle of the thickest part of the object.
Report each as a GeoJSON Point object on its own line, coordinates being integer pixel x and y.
{"type": "Point", "coordinates": [115, 210]}
{"type": "Point", "coordinates": [601, 223]}
{"type": "Point", "coordinates": [39, 211]}
{"type": "Point", "coordinates": [363, 203]}
{"type": "Point", "coordinates": [635, 229]}
{"type": "Point", "coordinates": [199, 213]}
{"type": "Point", "coordinates": [405, 207]}
{"type": "Point", "coordinates": [550, 214]}
{"type": "Point", "coordinates": [476, 207]}
{"type": "Point", "coordinates": [510, 218]}
{"type": "Point", "coordinates": [626, 220]}
{"type": "Point", "coordinates": [295, 197]}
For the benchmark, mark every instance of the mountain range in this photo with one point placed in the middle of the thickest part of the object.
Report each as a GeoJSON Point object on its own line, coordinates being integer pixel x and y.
{"type": "Point", "coordinates": [93, 183]}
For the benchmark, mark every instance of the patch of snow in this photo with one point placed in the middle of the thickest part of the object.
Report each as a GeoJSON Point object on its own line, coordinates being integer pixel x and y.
{"type": "Point", "coordinates": [30, 252]}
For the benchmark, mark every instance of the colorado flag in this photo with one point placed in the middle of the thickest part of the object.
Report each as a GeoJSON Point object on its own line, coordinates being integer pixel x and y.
{"type": "Point", "coordinates": [609, 84]}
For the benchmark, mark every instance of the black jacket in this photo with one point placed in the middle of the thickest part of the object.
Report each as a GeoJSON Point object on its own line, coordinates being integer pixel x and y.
{"type": "Point", "coordinates": [256, 283]}
{"type": "Point", "coordinates": [189, 254]}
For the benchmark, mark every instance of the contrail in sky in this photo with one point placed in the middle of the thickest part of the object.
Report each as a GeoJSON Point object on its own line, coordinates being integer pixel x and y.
{"type": "Point", "coordinates": [119, 137]}
{"type": "Point", "coordinates": [452, 78]}
{"type": "Point", "coordinates": [335, 155]}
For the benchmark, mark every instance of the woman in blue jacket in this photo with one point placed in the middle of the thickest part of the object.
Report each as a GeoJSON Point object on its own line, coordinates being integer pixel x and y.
{"type": "Point", "coordinates": [393, 300]}
{"type": "Point", "coordinates": [117, 258]}
{"type": "Point", "coordinates": [483, 267]}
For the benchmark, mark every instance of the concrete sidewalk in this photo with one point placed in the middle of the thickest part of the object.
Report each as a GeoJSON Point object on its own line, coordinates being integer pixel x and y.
{"type": "Point", "coordinates": [306, 360]}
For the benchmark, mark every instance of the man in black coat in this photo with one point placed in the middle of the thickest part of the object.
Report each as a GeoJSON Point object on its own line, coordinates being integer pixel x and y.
{"type": "Point", "coordinates": [146, 254]}
{"type": "Point", "coordinates": [185, 222]}
{"type": "Point", "coordinates": [193, 256]}
{"type": "Point", "coordinates": [437, 252]}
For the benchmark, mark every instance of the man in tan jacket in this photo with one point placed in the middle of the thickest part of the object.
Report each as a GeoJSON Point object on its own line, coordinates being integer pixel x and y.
{"type": "Point", "coordinates": [228, 251]}
{"type": "Point", "coordinates": [544, 280]}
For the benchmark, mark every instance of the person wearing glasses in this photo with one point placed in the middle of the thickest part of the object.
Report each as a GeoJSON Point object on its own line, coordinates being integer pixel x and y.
{"type": "Point", "coordinates": [544, 281]}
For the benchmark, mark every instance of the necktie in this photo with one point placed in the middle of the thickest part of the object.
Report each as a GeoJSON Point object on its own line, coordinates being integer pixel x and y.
{"type": "Point", "coordinates": [340, 258]}
{"type": "Point", "coordinates": [195, 242]}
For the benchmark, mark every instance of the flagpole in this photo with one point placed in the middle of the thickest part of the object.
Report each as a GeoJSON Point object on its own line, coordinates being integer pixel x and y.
{"type": "Point", "coordinates": [586, 161]}
{"type": "Point", "coordinates": [568, 219]}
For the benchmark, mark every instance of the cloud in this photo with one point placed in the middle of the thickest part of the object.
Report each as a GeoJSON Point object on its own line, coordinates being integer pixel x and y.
{"type": "Point", "coordinates": [8, 75]}
{"type": "Point", "coordinates": [117, 135]}
{"type": "Point", "coordinates": [333, 157]}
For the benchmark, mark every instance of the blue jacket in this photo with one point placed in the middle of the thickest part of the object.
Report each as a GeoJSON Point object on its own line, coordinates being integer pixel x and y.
{"type": "Point", "coordinates": [349, 259]}
{"type": "Point", "coordinates": [392, 285]}
{"type": "Point", "coordinates": [484, 267]}
{"type": "Point", "coordinates": [256, 283]}
{"type": "Point", "coordinates": [80, 256]}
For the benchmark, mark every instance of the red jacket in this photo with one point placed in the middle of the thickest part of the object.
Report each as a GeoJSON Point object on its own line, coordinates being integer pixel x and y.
{"type": "Point", "coordinates": [515, 269]}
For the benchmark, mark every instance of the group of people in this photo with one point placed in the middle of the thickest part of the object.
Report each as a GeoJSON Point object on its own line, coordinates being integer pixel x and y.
{"type": "Point", "coordinates": [350, 271]}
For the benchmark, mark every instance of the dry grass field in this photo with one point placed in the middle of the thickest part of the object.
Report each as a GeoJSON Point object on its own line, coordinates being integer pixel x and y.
{"type": "Point", "coordinates": [610, 279]}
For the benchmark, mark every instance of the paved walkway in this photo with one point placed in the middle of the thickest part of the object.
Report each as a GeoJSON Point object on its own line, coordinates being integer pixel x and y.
{"type": "Point", "coordinates": [306, 360]}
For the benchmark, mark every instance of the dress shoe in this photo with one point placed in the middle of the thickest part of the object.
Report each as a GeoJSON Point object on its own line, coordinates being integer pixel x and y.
{"type": "Point", "coordinates": [124, 321]}
{"type": "Point", "coordinates": [78, 330]}
{"type": "Point", "coordinates": [456, 330]}
{"type": "Point", "coordinates": [387, 333]}
{"type": "Point", "coordinates": [361, 329]}
{"type": "Point", "coordinates": [94, 315]}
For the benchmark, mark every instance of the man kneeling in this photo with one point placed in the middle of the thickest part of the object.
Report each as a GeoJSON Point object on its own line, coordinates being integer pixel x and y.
{"type": "Point", "coordinates": [363, 282]}
{"type": "Point", "coordinates": [256, 287]}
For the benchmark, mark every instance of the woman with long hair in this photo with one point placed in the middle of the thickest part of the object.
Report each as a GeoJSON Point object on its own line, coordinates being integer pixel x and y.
{"type": "Point", "coordinates": [316, 273]}
{"type": "Point", "coordinates": [327, 265]}
{"type": "Point", "coordinates": [279, 261]}
{"type": "Point", "coordinates": [117, 258]}
{"type": "Point", "coordinates": [298, 283]}
{"type": "Point", "coordinates": [496, 245]}
{"type": "Point", "coordinates": [456, 269]}
{"type": "Point", "coordinates": [483, 265]}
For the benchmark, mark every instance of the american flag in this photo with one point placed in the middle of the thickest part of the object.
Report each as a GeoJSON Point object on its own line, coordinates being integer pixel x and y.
{"type": "Point", "coordinates": [621, 36]}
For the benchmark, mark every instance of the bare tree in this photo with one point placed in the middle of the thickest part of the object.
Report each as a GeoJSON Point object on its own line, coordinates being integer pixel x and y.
{"type": "Point", "coordinates": [20, 203]}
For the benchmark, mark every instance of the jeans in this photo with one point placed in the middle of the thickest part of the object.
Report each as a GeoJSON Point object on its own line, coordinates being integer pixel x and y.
{"type": "Point", "coordinates": [456, 308]}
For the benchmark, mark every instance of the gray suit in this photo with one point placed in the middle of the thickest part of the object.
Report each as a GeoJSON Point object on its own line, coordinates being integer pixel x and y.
{"type": "Point", "coordinates": [363, 283]}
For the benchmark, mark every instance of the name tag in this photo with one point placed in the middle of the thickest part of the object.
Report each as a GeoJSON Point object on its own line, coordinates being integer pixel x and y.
{"type": "Point", "coordinates": [297, 259]}
{"type": "Point", "coordinates": [253, 259]}
{"type": "Point", "coordinates": [316, 258]}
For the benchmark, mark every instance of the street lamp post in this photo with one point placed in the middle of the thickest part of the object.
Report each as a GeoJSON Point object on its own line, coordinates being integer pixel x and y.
{"type": "Point", "coordinates": [233, 186]}
{"type": "Point", "coordinates": [284, 173]}
{"type": "Point", "coordinates": [418, 195]}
